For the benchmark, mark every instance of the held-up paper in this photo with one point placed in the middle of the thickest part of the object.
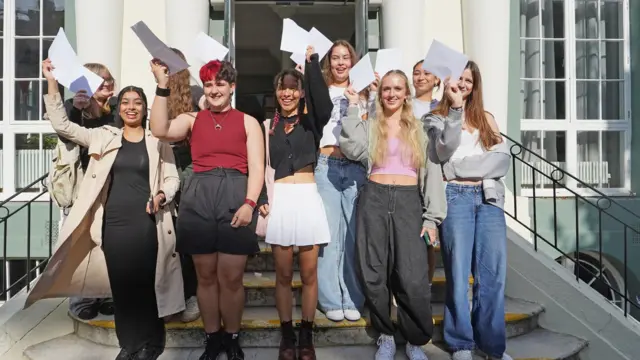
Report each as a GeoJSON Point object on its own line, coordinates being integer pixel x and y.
{"type": "Point", "coordinates": [387, 60]}
{"type": "Point", "coordinates": [158, 49]}
{"type": "Point", "coordinates": [294, 38]}
{"type": "Point", "coordinates": [69, 71]}
{"type": "Point", "coordinates": [443, 61]}
{"type": "Point", "coordinates": [361, 75]}
{"type": "Point", "coordinates": [206, 48]}
{"type": "Point", "coordinates": [320, 43]}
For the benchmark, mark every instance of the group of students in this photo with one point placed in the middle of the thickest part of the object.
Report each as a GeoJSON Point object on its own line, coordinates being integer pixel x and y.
{"type": "Point", "coordinates": [359, 183]}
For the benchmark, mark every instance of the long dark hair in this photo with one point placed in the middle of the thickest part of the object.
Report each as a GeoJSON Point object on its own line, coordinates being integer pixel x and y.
{"type": "Point", "coordinates": [118, 119]}
{"type": "Point", "coordinates": [277, 83]}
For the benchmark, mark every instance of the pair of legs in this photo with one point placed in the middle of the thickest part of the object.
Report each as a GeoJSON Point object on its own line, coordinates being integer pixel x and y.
{"type": "Point", "coordinates": [392, 259]}
{"type": "Point", "coordinates": [474, 237]}
{"type": "Point", "coordinates": [339, 291]}
{"type": "Point", "coordinates": [308, 259]}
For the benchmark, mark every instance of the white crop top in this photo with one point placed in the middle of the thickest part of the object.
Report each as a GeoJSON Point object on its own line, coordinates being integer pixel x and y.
{"type": "Point", "coordinates": [469, 145]}
{"type": "Point", "coordinates": [331, 131]}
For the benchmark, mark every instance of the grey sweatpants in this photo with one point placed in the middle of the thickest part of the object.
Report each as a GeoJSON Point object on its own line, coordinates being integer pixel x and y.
{"type": "Point", "coordinates": [392, 260]}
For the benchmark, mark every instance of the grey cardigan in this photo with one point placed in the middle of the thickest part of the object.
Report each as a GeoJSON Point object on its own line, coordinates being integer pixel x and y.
{"type": "Point", "coordinates": [489, 167]}
{"type": "Point", "coordinates": [354, 144]}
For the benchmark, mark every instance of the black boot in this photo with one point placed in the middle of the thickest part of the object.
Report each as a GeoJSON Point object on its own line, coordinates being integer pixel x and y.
{"type": "Point", "coordinates": [287, 342]}
{"type": "Point", "coordinates": [232, 345]}
{"type": "Point", "coordinates": [214, 345]}
{"type": "Point", "coordinates": [124, 355]}
{"type": "Point", "coordinates": [148, 353]}
{"type": "Point", "coordinates": [306, 350]}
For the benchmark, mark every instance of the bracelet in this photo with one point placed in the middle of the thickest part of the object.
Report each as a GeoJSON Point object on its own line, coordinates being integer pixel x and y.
{"type": "Point", "coordinates": [250, 203]}
{"type": "Point", "coordinates": [163, 92]}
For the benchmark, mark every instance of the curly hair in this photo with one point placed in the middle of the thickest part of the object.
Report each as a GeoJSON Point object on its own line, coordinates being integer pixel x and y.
{"type": "Point", "coordinates": [179, 101]}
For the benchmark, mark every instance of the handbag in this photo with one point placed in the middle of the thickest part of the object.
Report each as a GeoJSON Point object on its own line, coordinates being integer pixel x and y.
{"type": "Point", "coordinates": [269, 175]}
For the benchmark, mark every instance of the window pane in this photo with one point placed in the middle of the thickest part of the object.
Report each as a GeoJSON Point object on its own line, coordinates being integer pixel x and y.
{"type": "Point", "coordinates": [49, 142]}
{"type": "Point", "coordinates": [554, 100]}
{"type": "Point", "coordinates": [28, 61]}
{"type": "Point", "coordinates": [529, 18]}
{"type": "Point", "coordinates": [530, 54]}
{"type": "Point", "coordinates": [587, 60]}
{"type": "Point", "coordinates": [553, 60]}
{"type": "Point", "coordinates": [27, 17]}
{"type": "Point", "coordinates": [611, 19]}
{"type": "Point", "coordinates": [613, 159]}
{"type": "Point", "coordinates": [531, 95]}
{"type": "Point", "coordinates": [552, 18]}
{"type": "Point", "coordinates": [612, 59]}
{"type": "Point", "coordinates": [1, 55]}
{"type": "Point", "coordinates": [27, 100]}
{"type": "Point", "coordinates": [613, 100]}
{"type": "Point", "coordinates": [589, 170]}
{"type": "Point", "coordinates": [53, 17]}
{"type": "Point", "coordinates": [551, 146]}
{"type": "Point", "coordinates": [586, 19]}
{"type": "Point", "coordinates": [28, 160]}
{"type": "Point", "coordinates": [588, 100]}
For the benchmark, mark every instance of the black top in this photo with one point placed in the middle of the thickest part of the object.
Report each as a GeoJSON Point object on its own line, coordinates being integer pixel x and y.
{"type": "Point", "coordinates": [292, 152]}
{"type": "Point", "coordinates": [75, 115]}
{"type": "Point", "coordinates": [129, 189]}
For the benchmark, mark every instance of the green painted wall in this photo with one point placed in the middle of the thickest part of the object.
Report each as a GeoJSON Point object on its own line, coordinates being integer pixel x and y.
{"type": "Point", "coordinates": [17, 226]}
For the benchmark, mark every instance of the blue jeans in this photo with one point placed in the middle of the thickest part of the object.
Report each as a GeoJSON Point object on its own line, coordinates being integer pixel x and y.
{"type": "Point", "coordinates": [473, 240]}
{"type": "Point", "coordinates": [338, 183]}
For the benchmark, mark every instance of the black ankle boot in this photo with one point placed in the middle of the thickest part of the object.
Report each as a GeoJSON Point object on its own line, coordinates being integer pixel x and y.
{"type": "Point", "coordinates": [214, 345]}
{"type": "Point", "coordinates": [306, 350]}
{"type": "Point", "coordinates": [287, 342]}
{"type": "Point", "coordinates": [232, 345]}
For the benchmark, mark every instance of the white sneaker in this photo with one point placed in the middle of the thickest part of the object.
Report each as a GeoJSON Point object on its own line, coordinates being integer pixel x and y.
{"type": "Point", "coordinates": [191, 311]}
{"type": "Point", "coordinates": [415, 352]}
{"type": "Point", "coordinates": [335, 315]}
{"type": "Point", "coordinates": [352, 315]}
{"type": "Point", "coordinates": [462, 355]}
{"type": "Point", "coordinates": [386, 348]}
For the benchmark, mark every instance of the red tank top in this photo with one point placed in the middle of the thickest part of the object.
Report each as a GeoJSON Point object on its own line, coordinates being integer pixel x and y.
{"type": "Point", "coordinates": [225, 146]}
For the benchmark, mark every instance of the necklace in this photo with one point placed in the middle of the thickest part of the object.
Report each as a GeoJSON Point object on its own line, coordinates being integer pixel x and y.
{"type": "Point", "coordinates": [218, 125]}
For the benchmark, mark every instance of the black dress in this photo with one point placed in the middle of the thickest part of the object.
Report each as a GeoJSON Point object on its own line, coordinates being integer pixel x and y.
{"type": "Point", "coordinates": [130, 245]}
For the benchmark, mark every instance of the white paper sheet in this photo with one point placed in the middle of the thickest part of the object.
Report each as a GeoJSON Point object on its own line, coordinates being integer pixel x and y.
{"type": "Point", "coordinates": [443, 61]}
{"type": "Point", "coordinates": [158, 49]}
{"type": "Point", "coordinates": [387, 60]}
{"type": "Point", "coordinates": [69, 71]}
{"type": "Point", "coordinates": [361, 75]}
{"type": "Point", "coordinates": [294, 38]}
{"type": "Point", "coordinates": [206, 48]}
{"type": "Point", "coordinates": [299, 59]}
{"type": "Point", "coordinates": [320, 42]}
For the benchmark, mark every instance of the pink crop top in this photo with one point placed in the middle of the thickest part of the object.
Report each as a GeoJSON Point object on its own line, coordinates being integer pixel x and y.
{"type": "Point", "coordinates": [393, 162]}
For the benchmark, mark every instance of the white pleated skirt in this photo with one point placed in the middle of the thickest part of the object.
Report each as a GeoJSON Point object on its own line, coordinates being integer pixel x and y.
{"type": "Point", "coordinates": [297, 216]}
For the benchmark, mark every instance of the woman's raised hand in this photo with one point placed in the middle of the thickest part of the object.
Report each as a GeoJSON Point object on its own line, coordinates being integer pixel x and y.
{"type": "Point", "coordinates": [310, 51]}
{"type": "Point", "coordinates": [81, 100]}
{"type": "Point", "coordinates": [352, 96]}
{"type": "Point", "coordinates": [374, 85]}
{"type": "Point", "coordinates": [47, 68]}
{"type": "Point", "coordinates": [453, 93]}
{"type": "Point", "coordinates": [160, 72]}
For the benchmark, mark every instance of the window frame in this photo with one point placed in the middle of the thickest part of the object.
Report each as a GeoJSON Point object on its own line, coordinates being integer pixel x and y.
{"type": "Point", "coordinates": [570, 125]}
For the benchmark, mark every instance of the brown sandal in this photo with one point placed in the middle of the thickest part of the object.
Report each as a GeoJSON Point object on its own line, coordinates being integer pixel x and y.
{"type": "Point", "coordinates": [306, 350]}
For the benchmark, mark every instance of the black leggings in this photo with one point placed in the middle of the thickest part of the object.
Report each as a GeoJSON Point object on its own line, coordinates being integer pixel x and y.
{"type": "Point", "coordinates": [392, 260]}
{"type": "Point", "coordinates": [131, 253]}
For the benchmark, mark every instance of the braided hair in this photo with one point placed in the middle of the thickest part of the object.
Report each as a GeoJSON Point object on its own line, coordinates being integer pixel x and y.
{"type": "Point", "coordinates": [278, 82]}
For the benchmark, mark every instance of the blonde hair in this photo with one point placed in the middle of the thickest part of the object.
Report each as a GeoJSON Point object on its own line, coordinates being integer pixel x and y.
{"type": "Point", "coordinates": [102, 71]}
{"type": "Point", "coordinates": [411, 133]}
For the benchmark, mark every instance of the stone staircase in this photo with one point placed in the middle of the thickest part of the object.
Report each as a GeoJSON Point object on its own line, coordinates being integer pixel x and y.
{"type": "Point", "coordinates": [96, 339]}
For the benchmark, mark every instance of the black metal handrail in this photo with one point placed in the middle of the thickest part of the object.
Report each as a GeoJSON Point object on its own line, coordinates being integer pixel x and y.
{"type": "Point", "coordinates": [602, 204]}
{"type": "Point", "coordinates": [4, 221]}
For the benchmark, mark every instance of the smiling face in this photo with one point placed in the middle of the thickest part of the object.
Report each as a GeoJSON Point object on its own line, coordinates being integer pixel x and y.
{"type": "Point", "coordinates": [340, 63]}
{"type": "Point", "coordinates": [289, 93]}
{"type": "Point", "coordinates": [423, 81]}
{"type": "Point", "coordinates": [465, 84]}
{"type": "Point", "coordinates": [393, 92]}
{"type": "Point", "coordinates": [132, 109]}
{"type": "Point", "coordinates": [218, 94]}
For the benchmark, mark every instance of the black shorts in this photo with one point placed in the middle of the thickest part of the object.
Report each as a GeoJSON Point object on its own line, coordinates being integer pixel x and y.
{"type": "Point", "coordinates": [207, 205]}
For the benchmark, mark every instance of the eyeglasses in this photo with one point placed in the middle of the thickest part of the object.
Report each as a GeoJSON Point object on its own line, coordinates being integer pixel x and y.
{"type": "Point", "coordinates": [107, 84]}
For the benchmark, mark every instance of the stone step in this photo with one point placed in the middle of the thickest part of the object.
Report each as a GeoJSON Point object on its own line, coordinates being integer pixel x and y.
{"type": "Point", "coordinates": [538, 345]}
{"type": "Point", "coordinates": [260, 327]}
{"type": "Point", "coordinates": [263, 261]}
{"type": "Point", "coordinates": [260, 288]}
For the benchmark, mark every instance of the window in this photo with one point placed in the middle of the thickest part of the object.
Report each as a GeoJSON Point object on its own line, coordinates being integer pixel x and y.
{"type": "Point", "coordinates": [29, 27]}
{"type": "Point", "coordinates": [575, 91]}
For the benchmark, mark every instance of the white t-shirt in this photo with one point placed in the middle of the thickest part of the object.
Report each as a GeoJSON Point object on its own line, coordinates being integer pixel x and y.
{"type": "Point", "coordinates": [331, 131]}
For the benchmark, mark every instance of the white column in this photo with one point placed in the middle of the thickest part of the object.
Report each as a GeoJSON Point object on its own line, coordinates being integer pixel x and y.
{"type": "Point", "coordinates": [402, 28]}
{"type": "Point", "coordinates": [184, 20]}
{"type": "Point", "coordinates": [99, 33]}
{"type": "Point", "coordinates": [486, 41]}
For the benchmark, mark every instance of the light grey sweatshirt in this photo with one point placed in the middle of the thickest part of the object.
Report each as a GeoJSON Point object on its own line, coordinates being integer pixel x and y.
{"type": "Point", "coordinates": [354, 144]}
{"type": "Point", "coordinates": [489, 167]}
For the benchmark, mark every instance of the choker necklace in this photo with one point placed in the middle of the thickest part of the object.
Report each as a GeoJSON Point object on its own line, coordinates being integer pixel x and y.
{"type": "Point", "coordinates": [219, 125]}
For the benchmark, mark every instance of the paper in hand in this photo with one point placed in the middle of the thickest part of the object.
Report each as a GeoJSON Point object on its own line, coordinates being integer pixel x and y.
{"type": "Point", "coordinates": [206, 48]}
{"type": "Point", "coordinates": [69, 71]}
{"type": "Point", "coordinates": [361, 75]}
{"type": "Point", "coordinates": [387, 60]}
{"type": "Point", "coordinates": [294, 38]}
{"type": "Point", "coordinates": [442, 61]}
{"type": "Point", "coordinates": [158, 49]}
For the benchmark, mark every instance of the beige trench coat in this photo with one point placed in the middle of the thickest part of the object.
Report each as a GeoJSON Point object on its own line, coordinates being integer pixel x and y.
{"type": "Point", "coordinates": [77, 267]}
